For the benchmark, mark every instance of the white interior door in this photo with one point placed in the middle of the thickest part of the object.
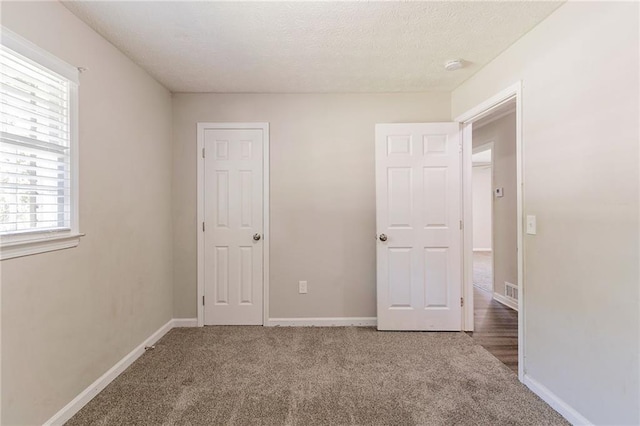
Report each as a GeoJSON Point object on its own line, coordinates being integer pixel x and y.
{"type": "Point", "coordinates": [233, 226]}
{"type": "Point", "coordinates": [418, 214]}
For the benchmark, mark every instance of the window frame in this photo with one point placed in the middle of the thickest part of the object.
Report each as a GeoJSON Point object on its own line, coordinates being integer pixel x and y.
{"type": "Point", "coordinates": [34, 242]}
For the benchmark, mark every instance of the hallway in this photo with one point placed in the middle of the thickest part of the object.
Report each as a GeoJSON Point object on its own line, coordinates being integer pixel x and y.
{"type": "Point", "coordinates": [496, 326]}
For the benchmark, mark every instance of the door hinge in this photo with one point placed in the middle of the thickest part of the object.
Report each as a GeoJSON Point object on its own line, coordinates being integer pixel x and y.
{"type": "Point", "coordinates": [202, 152]}
{"type": "Point", "coordinates": [461, 301]}
{"type": "Point", "coordinates": [202, 226]}
{"type": "Point", "coordinates": [461, 225]}
{"type": "Point", "coordinates": [203, 300]}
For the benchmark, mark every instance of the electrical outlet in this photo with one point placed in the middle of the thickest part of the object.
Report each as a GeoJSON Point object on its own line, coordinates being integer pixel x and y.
{"type": "Point", "coordinates": [302, 287]}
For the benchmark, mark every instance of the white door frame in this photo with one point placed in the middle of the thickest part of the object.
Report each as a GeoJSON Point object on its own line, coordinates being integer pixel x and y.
{"type": "Point", "coordinates": [479, 111]}
{"type": "Point", "coordinates": [486, 147]}
{"type": "Point", "coordinates": [202, 126]}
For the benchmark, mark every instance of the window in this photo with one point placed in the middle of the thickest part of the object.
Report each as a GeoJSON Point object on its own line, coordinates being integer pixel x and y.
{"type": "Point", "coordinates": [38, 150]}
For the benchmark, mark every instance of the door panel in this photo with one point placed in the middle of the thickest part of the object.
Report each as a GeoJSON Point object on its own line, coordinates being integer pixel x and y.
{"type": "Point", "coordinates": [418, 205]}
{"type": "Point", "coordinates": [221, 277]}
{"type": "Point", "coordinates": [399, 197]}
{"type": "Point", "coordinates": [233, 259]}
{"type": "Point", "coordinates": [400, 273]}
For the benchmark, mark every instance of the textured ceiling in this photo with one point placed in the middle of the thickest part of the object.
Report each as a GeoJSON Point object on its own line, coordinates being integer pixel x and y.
{"type": "Point", "coordinates": [298, 47]}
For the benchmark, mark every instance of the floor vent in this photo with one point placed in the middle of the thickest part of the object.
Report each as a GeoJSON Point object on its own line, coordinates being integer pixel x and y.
{"type": "Point", "coordinates": [511, 291]}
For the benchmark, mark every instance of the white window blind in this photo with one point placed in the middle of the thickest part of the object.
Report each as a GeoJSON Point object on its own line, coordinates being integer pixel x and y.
{"type": "Point", "coordinates": [35, 147]}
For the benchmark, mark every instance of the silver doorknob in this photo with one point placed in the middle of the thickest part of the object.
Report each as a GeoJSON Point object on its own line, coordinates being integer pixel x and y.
{"type": "Point", "coordinates": [257, 237]}
{"type": "Point", "coordinates": [383, 237]}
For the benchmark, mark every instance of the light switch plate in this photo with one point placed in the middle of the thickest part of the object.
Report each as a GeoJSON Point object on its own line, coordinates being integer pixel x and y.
{"type": "Point", "coordinates": [531, 225]}
{"type": "Point", "coordinates": [499, 192]}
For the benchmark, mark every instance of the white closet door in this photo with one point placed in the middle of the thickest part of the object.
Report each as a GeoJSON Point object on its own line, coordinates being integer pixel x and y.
{"type": "Point", "coordinates": [233, 243]}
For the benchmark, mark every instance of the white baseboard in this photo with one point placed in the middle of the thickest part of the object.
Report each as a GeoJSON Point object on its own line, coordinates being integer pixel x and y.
{"type": "Point", "coordinates": [322, 322]}
{"type": "Point", "coordinates": [185, 322]}
{"type": "Point", "coordinates": [505, 301]}
{"type": "Point", "coordinates": [482, 249]}
{"type": "Point", "coordinates": [96, 387]}
{"type": "Point", "coordinates": [556, 403]}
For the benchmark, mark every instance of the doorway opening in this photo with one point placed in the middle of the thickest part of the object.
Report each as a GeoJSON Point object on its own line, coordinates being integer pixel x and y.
{"type": "Point", "coordinates": [493, 251]}
{"type": "Point", "coordinates": [482, 206]}
{"type": "Point", "coordinates": [495, 246]}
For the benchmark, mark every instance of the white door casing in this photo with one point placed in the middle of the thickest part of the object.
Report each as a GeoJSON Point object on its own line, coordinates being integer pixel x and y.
{"type": "Point", "coordinates": [233, 226]}
{"type": "Point", "coordinates": [418, 209]}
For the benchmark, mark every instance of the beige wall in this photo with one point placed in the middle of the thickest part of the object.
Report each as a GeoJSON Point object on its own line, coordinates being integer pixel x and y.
{"type": "Point", "coordinates": [579, 70]}
{"type": "Point", "coordinates": [502, 133]}
{"type": "Point", "coordinates": [68, 316]}
{"type": "Point", "coordinates": [322, 193]}
{"type": "Point", "coordinates": [482, 199]}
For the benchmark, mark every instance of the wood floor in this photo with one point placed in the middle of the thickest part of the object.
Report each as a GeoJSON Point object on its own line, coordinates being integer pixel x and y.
{"type": "Point", "coordinates": [496, 328]}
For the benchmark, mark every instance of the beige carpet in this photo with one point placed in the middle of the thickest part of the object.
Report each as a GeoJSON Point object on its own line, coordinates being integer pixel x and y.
{"type": "Point", "coordinates": [316, 376]}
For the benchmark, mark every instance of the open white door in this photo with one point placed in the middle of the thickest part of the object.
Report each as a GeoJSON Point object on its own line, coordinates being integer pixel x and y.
{"type": "Point", "coordinates": [418, 219]}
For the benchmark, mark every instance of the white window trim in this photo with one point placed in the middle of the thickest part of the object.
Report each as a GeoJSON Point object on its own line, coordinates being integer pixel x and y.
{"type": "Point", "coordinates": [29, 243]}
